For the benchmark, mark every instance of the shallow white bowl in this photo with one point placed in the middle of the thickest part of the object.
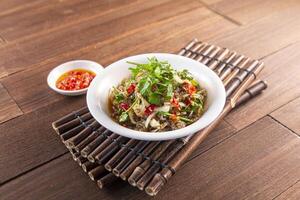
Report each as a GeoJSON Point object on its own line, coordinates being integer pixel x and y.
{"type": "Point", "coordinates": [68, 66]}
{"type": "Point", "coordinates": [97, 95]}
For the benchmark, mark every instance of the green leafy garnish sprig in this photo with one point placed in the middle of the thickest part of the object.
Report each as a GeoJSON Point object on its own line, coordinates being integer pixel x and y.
{"type": "Point", "coordinates": [155, 80]}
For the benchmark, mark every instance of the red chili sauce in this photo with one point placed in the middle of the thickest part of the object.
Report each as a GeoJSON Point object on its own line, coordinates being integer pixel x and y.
{"type": "Point", "coordinates": [75, 79]}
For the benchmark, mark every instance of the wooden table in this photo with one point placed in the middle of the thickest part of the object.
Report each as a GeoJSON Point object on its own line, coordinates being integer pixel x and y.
{"type": "Point", "coordinates": [254, 153]}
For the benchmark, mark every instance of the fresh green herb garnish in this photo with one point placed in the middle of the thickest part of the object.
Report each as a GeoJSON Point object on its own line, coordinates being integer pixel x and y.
{"type": "Point", "coordinates": [156, 80]}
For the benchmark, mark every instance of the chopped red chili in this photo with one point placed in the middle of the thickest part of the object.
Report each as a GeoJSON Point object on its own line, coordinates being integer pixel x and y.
{"type": "Point", "coordinates": [149, 109]}
{"type": "Point", "coordinates": [75, 80]}
{"type": "Point", "coordinates": [175, 103]}
{"type": "Point", "coordinates": [131, 88]}
{"type": "Point", "coordinates": [190, 88]}
{"type": "Point", "coordinates": [124, 106]}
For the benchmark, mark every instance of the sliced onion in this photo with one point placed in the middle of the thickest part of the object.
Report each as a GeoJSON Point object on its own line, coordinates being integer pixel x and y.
{"type": "Point", "coordinates": [154, 123]}
{"type": "Point", "coordinates": [164, 108]}
{"type": "Point", "coordinates": [130, 114]}
{"type": "Point", "coordinates": [149, 119]}
{"type": "Point", "coordinates": [182, 104]}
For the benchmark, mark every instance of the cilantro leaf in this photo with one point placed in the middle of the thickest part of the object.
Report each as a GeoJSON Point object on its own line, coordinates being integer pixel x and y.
{"type": "Point", "coordinates": [154, 98]}
{"type": "Point", "coordinates": [144, 85]}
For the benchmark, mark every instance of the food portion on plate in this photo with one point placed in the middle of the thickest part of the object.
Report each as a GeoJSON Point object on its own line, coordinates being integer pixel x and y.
{"type": "Point", "coordinates": [157, 98]}
{"type": "Point", "coordinates": [76, 79]}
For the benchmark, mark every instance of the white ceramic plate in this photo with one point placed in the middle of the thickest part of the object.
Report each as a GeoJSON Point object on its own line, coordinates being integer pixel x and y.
{"type": "Point", "coordinates": [97, 95]}
{"type": "Point", "coordinates": [68, 66]}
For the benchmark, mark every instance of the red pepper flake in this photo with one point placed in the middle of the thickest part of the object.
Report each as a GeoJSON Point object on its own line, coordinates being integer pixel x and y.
{"type": "Point", "coordinates": [131, 88]}
{"type": "Point", "coordinates": [124, 106]}
{"type": "Point", "coordinates": [175, 103]}
{"type": "Point", "coordinates": [150, 109]}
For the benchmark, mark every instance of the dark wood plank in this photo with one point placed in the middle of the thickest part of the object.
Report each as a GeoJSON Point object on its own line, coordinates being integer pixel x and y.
{"type": "Point", "coordinates": [248, 11]}
{"type": "Point", "coordinates": [248, 165]}
{"type": "Point", "coordinates": [29, 140]}
{"type": "Point", "coordinates": [30, 89]}
{"type": "Point", "coordinates": [289, 115]}
{"type": "Point", "coordinates": [282, 73]}
{"type": "Point", "coordinates": [292, 193]}
{"type": "Point", "coordinates": [8, 108]}
{"type": "Point", "coordinates": [264, 36]}
{"type": "Point", "coordinates": [54, 15]}
{"type": "Point", "coordinates": [18, 56]}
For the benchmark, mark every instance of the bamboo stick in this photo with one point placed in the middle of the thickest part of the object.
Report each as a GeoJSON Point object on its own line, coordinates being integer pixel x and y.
{"type": "Point", "coordinates": [89, 139]}
{"type": "Point", "coordinates": [198, 48]}
{"type": "Point", "coordinates": [88, 166]}
{"type": "Point", "coordinates": [103, 145]}
{"type": "Point", "coordinates": [69, 117]}
{"type": "Point", "coordinates": [210, 55]}
{"type": "Point", "coordinates": [229, 74]}
{"type": "Point", "coordinates": [251, 92]}
{"type": "Point", "coordinates": [74, 131]}
{"type": "Point", "coordinates": [129, 157]}
{"type": "Point", "coordinates": [188, 46]}
{"type": "Point", "coordinates": [218, 69]}
{"type": "Point", "coordinates": [75, 155]}
{"type": "Point", "coordinates": [234, 68]}
{"type": "Point", "coordinates": [127, 172]}
{"type": "Point", "coordinates": [108, 152]}
{"type": "Point", "coordinates": [204, 52]}
{"type": "Point", "coordinates": [247, 82]}
{"type": "Point", "coordinates": [141, 169]}
{"type": "Point", "coordinates": [214, 62]}
{"type": "Point", "coordinates": [73, 123]}
{"type": "Point", "coordinates": [238, 79]}
{"type": "Point", "coordinates": [120, 154]}
{"type": "Point", "coordinates": [80, 160]}
{"type": "Point", "coordinates": [230, 67]}
{"type": "Point", "coordinates": [95, 143]}
{"type": "Point", "coordinates": [75, 140]}
{"type": "Point", "coordinates": [155, 166]}
{"type": "Point", "coordinates": [97, 172]}
{"type": "Point", "coordinates": [106, 180]}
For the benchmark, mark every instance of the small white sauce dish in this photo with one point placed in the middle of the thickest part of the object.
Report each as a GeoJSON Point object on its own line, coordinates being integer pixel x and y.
{"type": "Point", "coordinates": [112, 75]}
{"type": "Point", "coordinates": [69, 66]}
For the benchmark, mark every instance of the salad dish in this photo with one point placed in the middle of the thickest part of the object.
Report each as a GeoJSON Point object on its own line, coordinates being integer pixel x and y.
{"type": "Point", "coordinates": [156, 97]}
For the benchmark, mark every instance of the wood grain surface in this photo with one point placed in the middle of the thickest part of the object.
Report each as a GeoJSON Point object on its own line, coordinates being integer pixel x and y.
{"type": "Point", "coordinates": [8, 108]}
{"type": "Point", "coordinates": [291, 193]}
{"type": "Point", "coordinates": [289, 115]}
{"type": "Point", "coordinates": [253, 153]}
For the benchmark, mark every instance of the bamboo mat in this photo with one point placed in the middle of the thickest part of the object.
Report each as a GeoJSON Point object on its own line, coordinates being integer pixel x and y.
{"type": "Point", "coordinates": [106, 156]}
